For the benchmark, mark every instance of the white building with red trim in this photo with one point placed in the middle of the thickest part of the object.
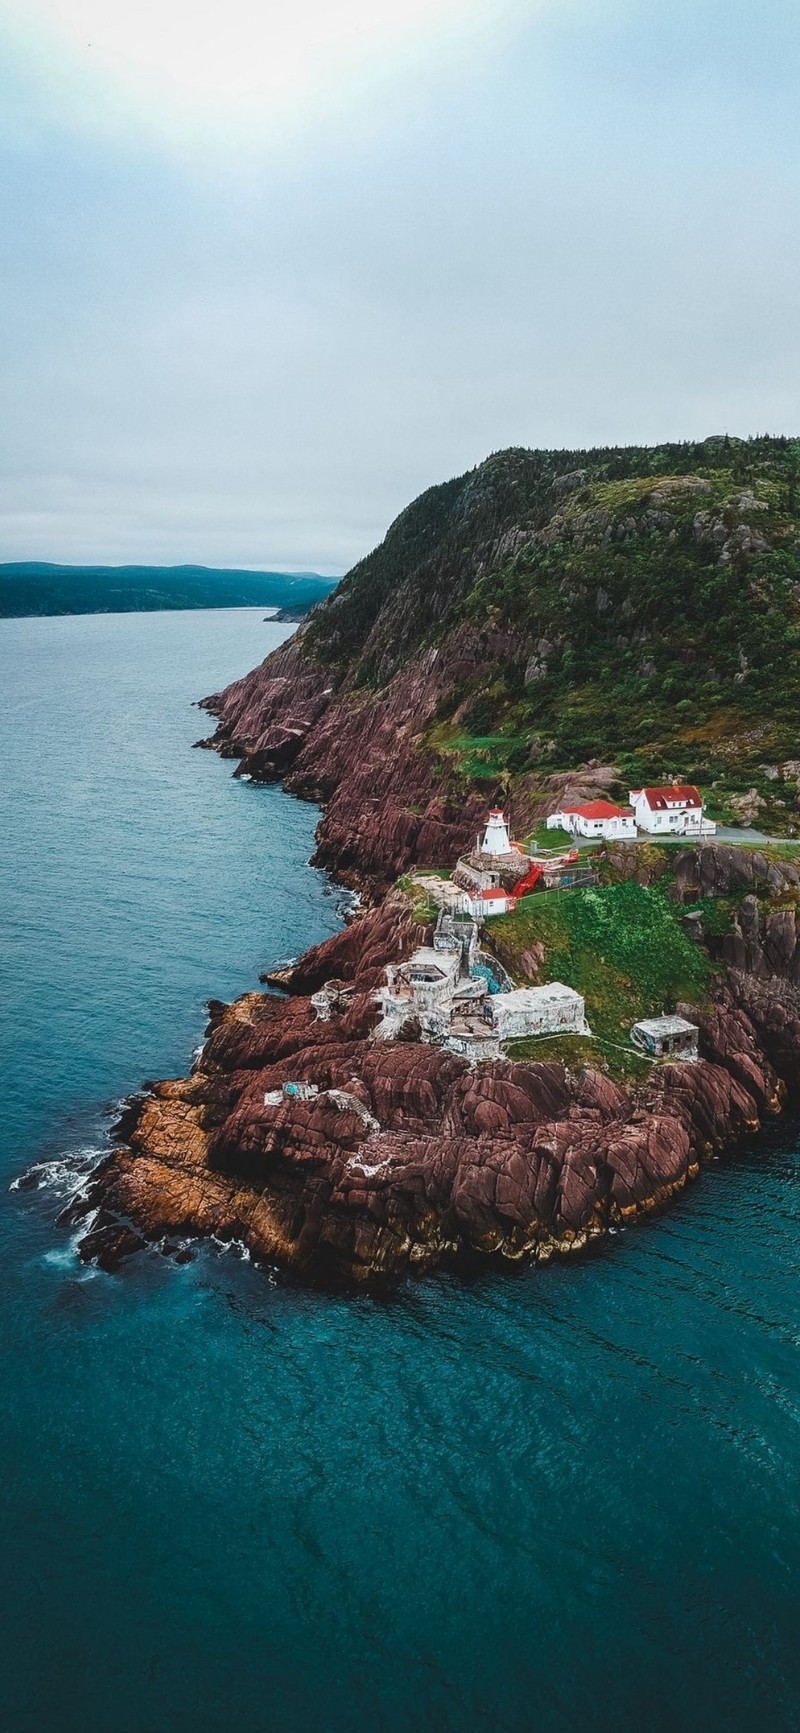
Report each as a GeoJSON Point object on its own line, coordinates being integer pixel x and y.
{"type": "Point", "coordinates": [595, 818]}
{"type": "Point", "coordinates": [482, 904]}
{"type": "Point", "coordinates": [674, 810]}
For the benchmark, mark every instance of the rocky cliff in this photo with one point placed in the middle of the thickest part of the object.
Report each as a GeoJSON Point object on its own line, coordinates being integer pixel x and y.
{"type": "Point", "coordinates": [388, 803]}
{"type": "Point", "coordinates": [407, 1157]}
{"type": "Point", "coordinates": [551, 624]}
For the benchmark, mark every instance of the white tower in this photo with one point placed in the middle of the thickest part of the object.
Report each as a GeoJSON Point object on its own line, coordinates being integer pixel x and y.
{"type": "Point", "coordinates": [496, 839]}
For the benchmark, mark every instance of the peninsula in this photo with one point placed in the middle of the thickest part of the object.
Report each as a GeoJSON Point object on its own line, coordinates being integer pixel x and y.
{"type": "Point", "coordinates": [525, 715]}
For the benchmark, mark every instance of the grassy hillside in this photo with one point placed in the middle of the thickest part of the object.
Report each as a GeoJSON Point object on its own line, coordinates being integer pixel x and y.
{"type": "Point", "coordinates": [651, 598]}
{"type": "Point", "coordinates": [35, 588]}
{"type": "Point", "coordinates": [622, 946]}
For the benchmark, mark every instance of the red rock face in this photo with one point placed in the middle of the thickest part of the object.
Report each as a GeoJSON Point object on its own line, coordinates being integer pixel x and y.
{"type": "Point", "coordinates": [407, 1156]}
{"type": "Point", "coordinates": [386, 804]}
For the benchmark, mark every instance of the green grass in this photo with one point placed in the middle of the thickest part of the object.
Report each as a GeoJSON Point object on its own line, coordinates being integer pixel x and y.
{"type": "Point", "coordinates": [541, 837]}
{"type": "Point", "coordinates": [483, 757]}
{"type": "Point", "coordinates": [423, 907]}
{"type": "Point", "coordinates": [621, 946]}
{"type": "Point", "coordinates": [577, 1052]}
{"type": "Point", "coordinates": [777, 850]}
{"type": "Point", "coordinates": [717, 912]}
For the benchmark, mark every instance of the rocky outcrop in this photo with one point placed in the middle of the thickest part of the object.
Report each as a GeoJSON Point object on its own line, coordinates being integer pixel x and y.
{"type": "Point", "coordinates": [406, 1156]}
{"type": "Point", "coordinates": [360, 753]}
{"type": "Point", "coordinates": [358, 954]}
{"type": "Point", "coordinates": [387, 805]}
{"type": "Point", "coordinates": [716, 870]}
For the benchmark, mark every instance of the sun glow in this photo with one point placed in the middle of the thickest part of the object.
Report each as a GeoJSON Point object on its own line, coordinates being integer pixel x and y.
{"type": "Point", "coordinates": [230, 61]}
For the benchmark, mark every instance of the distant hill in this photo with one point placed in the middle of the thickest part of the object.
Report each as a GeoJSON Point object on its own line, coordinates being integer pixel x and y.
{"type": "Point", "coordinates": [34, 587]}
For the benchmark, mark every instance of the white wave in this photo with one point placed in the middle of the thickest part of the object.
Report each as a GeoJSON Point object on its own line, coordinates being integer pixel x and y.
{"type": "Point", "coordinates": [227, 1247]}
{"type": "Point", "coordinates": [65, 1176]}
{"type": "Point", "coordinates": [68, 1256]}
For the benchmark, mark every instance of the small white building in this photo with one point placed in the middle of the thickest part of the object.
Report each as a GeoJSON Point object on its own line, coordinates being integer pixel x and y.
{"type": "Point", "coordinates": [666, 1037]}
{"type": "Point", "coordinates": [483, 904]}
{"type": "Point", "coordinates": [496, 839]}
{"type": "Point", "coordinates": [674, 810]}
{"type": "Point", "coordinates": [550, 1010]}
{"type": "Point", "coordinates": [595, 818]}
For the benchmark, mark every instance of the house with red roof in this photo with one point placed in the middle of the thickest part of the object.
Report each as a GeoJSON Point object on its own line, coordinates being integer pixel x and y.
{"type": "Point", "coordinates": [482, 903]}
{"type": "Point", "coordinates": [676, 809]}
{"type": "Point", "coordinates": [600, 819]}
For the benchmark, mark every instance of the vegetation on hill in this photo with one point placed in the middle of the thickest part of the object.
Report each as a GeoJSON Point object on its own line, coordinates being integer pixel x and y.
{"type": "Point", "coordinates": [622, 946]}
{"type": "Point", "coordinates": [35, 588]}
{"type": "Point", "coordinates": [649, 599]}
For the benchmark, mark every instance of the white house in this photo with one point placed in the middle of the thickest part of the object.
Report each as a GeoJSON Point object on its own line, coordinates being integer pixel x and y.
{"type": "Point", "coordinates": [596, 818]}
{"type": "Point", "coordinates": [674, 810]}
{"type": "Point", "coordinates": [482, 904]}
{"type": "Point", "coordinates": [496, 839]}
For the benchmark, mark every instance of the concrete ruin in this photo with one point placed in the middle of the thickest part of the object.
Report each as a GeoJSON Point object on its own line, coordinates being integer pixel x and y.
{"type": "Point", "coordinates": [456, 996]}
{"type": "Point", "coordinates": [549, 1010]}
{"type": "Point", "coordinates": [666, 1037]}
{"type": "Point", "coordinates": [341, 1099]}
{"type": "Point", "coordinates": [331, 1000]}
{"type": "Point", "coordinates": [291, 1092]}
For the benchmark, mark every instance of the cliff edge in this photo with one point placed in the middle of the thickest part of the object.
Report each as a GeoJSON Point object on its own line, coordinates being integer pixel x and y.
{"type": "Point", "coordinates": [350, 1159]}
{"type": "Point", "coordinates": [552, 625]}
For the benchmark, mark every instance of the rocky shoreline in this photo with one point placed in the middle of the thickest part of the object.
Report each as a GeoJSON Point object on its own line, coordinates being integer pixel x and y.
{"type": "Point", "coordinates": [407, 1158]}
{"type": "Point", "coordinates": [401, 1156]}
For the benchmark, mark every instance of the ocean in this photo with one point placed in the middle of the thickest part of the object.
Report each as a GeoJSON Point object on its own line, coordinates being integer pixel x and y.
{"type": "Point", "coordinates": [536, 1502]}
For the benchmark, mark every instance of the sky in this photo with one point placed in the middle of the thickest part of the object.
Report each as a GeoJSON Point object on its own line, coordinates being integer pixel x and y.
{"type": "Point", "coordinates": [267, 271]}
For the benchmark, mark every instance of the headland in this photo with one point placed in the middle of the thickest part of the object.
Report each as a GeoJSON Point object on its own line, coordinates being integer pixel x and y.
{"type": "Point", "coordinates": [478, 1066]}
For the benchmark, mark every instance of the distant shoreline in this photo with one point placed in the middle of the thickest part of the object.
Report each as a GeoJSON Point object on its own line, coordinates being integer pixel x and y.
{"type": "Point", "coordinates": [40, 590]}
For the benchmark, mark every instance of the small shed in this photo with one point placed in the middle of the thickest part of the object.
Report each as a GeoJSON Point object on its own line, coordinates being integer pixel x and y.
{"type": "Point", "coordinates": [482, 904]}
{"type": "Point", "coordinates": [666, 1037]}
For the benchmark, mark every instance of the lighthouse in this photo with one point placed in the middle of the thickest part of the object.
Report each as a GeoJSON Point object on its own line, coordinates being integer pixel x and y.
{"type": "Point", "coordinates": [496, 839]}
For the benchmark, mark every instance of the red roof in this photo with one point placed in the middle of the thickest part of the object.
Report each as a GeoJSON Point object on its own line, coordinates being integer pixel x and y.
{"type": "Point", "coordinates": [493, 895]}
{"type": "Point", "coordinates": [658, 799]}
{"type": "Point", "coordinates": [600, 809]}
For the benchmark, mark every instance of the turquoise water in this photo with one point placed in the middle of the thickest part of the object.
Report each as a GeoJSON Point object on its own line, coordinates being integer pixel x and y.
{"type": "Point", "coordinates": [551, 1501]}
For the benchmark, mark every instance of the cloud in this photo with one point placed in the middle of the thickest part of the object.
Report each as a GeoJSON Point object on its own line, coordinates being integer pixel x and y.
{"type": "Point", "coordinates": [233, 71]}
{"type": "Point", "coordinates": [252, 346]}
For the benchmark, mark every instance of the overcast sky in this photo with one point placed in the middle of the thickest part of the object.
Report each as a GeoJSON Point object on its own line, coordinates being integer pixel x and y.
{"type": "Point", "coordinates": [268, 270]}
